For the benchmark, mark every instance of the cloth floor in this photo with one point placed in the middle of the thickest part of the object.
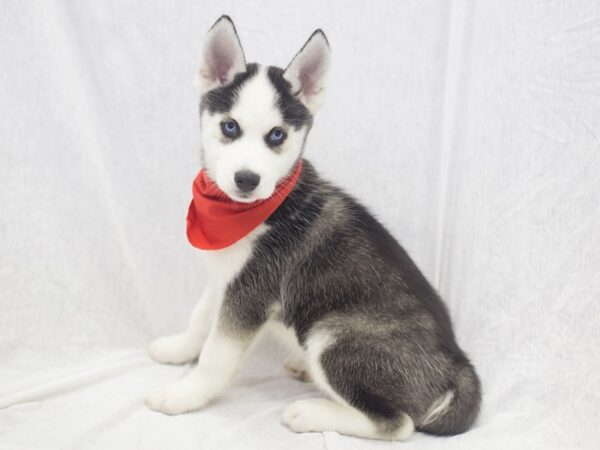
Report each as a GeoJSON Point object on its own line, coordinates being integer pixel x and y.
{"type": "Point", "coordinates": [471, 129]}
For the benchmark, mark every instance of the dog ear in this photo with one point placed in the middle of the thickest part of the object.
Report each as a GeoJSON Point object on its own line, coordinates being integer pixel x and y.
{"type": "Point", "coordinates": [222, 56]}
{"type": "Point", "coordinates": [307, 71]}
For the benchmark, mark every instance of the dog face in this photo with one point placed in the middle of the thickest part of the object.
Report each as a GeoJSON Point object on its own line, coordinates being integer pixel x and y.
{"type": "Point", "coordinates": [255, 119]}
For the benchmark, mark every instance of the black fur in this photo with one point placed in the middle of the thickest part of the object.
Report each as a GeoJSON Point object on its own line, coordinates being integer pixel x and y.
{"type": "Point", "coordinates": [221, 99]}
{"type": "Point", "coordinates": [292, 110]}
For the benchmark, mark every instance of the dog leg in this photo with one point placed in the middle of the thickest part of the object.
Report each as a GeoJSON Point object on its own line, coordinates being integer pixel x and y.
{"type": "Point", "coordinates": [319, 414]}
{"type": "Point", "coordinates": [219, 361]}
{"type": "Point", "coordinates": [184, 347]}
{"type": "Point", "coordinates": [338, 414]}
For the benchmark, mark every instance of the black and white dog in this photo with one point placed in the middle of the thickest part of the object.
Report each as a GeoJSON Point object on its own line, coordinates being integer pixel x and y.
{"type": "Point", "coordinates": [364, 324]}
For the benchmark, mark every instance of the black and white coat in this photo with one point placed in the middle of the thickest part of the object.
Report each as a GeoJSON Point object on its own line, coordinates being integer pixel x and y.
{"type": "Point", "coordinates": [360, 319]}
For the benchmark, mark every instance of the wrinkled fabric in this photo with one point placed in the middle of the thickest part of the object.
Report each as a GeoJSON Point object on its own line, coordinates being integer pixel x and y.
{"type": "Point", "coordinates": [469, 128]}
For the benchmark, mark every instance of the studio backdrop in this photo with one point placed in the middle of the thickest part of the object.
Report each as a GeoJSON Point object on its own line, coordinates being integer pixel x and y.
{"type": "Point", "coordinates": [471, 129]}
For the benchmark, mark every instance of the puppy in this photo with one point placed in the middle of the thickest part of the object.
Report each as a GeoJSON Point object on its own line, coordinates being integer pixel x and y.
{"type": "Point", "coordinates": [315, 266]}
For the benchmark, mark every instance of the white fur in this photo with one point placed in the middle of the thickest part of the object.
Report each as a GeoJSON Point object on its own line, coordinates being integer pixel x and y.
{"type": "Point", "coordinates": [221, 354]}
{"type": "Point", "coordinates": [319, 414]}
{"type": "Point", "coordinates": [438, 407]}
{"type": "Point", "coordinates": [257, 114]}
{"type": "Point", "coordinates": [224, 265]}
{"type": "Point", "coordinates": [217, 364]}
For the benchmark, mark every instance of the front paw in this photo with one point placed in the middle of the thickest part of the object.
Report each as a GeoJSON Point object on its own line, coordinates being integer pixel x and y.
{"type": "Point", "coordinates": [175, 398]}
{"type": "Point", "coordinates": [176, 349]}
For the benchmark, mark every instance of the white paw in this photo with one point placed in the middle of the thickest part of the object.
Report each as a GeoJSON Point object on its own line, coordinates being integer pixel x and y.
{"type": "Point", "coordinates": [296, 365]}
{"type": "Point", "coordinates": [176, 349]}
{"type": "Point", "coordinates": [179, 397]}
{"type": "Point", "coordinates": [319, 414]}
{"type": "Point", "coordinates": [306, 415]}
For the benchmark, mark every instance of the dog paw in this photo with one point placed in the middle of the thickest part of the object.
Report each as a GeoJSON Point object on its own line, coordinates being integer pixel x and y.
{"type": "Point", "coordinates": [296, 366]}
{"type": "Point", "coordinates": [175, 349]}
{"type": "Point", "coordinates": [175, 398]}
{"type": "Point", "coordinates": [306, 415]}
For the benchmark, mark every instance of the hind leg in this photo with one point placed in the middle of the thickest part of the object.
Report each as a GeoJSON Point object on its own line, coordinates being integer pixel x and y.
{"type": "Point", "coordinates": [320, 414]}
{"type": "Point", "coordinates": [338, 414]}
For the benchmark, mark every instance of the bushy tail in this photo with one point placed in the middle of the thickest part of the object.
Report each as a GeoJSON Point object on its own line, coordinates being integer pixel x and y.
{"type": "Point", "coordinates": [455, 412]}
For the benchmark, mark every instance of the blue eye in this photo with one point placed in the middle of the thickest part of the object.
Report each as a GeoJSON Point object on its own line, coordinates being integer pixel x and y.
{"type": "Point", "coordinates": [230, 128]}
{"type": "Point", "coordinates": [276, 136]}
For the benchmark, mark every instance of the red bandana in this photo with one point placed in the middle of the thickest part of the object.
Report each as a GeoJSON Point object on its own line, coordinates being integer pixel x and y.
{"type": "Point", "coordinates": [215, 221]}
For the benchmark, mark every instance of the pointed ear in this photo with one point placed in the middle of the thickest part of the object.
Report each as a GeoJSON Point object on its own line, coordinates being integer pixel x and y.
{"type": "Point", "coordinates": [222, 56]}
{"type": "Point", "coordinates": [307, 71]}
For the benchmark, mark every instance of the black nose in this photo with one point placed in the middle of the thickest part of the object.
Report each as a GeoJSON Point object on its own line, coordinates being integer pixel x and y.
{"type": "Point", "coordinates": [246, 181]}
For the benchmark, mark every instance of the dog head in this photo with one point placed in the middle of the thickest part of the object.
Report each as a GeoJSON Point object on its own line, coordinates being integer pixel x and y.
{"type": "Point", "coordinates": [255, 119]}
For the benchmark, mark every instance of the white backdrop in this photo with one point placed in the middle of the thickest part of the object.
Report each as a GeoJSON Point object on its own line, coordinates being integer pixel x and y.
{"type": "Point", "coordinates": [471, 128]}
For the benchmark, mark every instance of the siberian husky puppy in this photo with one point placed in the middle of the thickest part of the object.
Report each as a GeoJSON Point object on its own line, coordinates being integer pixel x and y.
{"type": "Point", "coordinates": [365, 325]}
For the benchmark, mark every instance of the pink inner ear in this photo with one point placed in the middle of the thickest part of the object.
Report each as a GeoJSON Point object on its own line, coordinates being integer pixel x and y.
{"type": "Point", "coordinates": [311, 71]}
{"type": "Point", "coordinates": [223, 55]}
{"type": "Point", "coordinates": [220, 60]}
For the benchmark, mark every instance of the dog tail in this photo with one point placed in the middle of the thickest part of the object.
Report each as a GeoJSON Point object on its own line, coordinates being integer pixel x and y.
{"type": "Point", "coordinates": [456, 411]}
